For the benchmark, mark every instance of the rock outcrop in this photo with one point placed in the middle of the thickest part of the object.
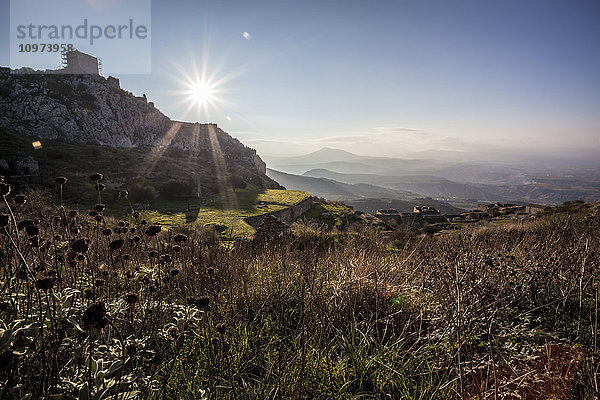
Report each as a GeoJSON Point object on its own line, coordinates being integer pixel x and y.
{"type": "Point", "coordinates": [95, 110]}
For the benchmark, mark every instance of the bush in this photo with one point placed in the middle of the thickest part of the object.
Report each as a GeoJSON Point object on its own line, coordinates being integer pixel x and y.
{"type": "Point", "coordinates": [141, 192]}
{"type": "Point", "coordinates": [176, 188]}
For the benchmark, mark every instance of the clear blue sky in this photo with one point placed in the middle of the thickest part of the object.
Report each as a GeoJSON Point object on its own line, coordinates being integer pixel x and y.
{"type": "Point", "coordinates": [381, 77]}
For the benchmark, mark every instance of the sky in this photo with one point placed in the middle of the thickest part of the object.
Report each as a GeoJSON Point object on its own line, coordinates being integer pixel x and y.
{"type": "Point", "coordinates": [385, 78]}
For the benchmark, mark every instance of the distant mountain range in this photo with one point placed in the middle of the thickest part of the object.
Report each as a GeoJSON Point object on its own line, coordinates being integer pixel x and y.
{"type": "Point", "coordinates": [460, 181]}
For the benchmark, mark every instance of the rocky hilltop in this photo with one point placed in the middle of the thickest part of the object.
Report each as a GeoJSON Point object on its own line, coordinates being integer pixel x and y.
{"type": "Point", "coordinates": [94, 110]}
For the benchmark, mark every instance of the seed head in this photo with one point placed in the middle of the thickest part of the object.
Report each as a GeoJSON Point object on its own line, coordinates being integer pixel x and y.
{"type": "Point", "coordinates": [116, 244]}
{"type": "Point", "coordinates": [80, 245]}
{"type": "Point", "coordinates": [202, 302]}
{"type": "Point", "coordinates": [153, 230]}
{"type": "Point", "coordinates": [61, 180]}
{"type": "Point", "coordinates": [180, 238]}
{"type": "Point", "coordinates": [96, 176]}
{"type": "Point", "coordinates": [123, 194]}
{"type": "Point", "coordinates": [93, 316]}
{"type": "Point", "coordinates": [99, 186]}
{"type": "Point", "coordinates": [98, 208]}
{"type": "Point", "coordinates": [132, 298]}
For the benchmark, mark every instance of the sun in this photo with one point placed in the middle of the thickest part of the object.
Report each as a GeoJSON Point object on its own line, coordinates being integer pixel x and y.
{"type": "Point", "coordinates": [201, 93]}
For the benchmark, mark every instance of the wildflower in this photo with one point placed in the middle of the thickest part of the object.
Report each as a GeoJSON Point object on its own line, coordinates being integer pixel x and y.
{"type": "Point", "coordinates": [132, 298]}
{"type": "Point", "coordinates": [93, 316]}
{"type": "Point", "coordinates": [98, 208]}
{"type": "Point", "coordinates": [123, 193]}
{"type": "Point", "coordinates": [96, 176]}
{"type": "Point", "coordinates": [20, 199]}
{"type": "Point", "coordinates": [80, 245]}
{"type": "Point", "coordinates": [61, 180]}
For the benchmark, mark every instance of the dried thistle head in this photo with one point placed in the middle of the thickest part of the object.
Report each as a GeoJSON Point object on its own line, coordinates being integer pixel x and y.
{"type": "Point", "coordinates": [132, 298]}
{"type": "Point", "coordinates": [80, 245]}
{"type": "Point", "coordinates": [96, 176]}
{"type": "Point", "coordinates": [180, 238]}
{"type": "Point", "coordinates": [116, 244]}
{"type": "Point", "coordinates": [93, 316]}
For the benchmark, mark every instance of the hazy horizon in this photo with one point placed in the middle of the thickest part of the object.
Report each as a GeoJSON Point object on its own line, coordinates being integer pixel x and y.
{"type": "Point", "coordinates": [389, 79]}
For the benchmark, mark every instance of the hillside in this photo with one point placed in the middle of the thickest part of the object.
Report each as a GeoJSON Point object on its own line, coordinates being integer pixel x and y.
{"type": "Point", "coordinates": [363, 197]}
{"type": "Point", "coordinates": [424, 185]}
{"type": "Point", "coordinates": [74, 116]}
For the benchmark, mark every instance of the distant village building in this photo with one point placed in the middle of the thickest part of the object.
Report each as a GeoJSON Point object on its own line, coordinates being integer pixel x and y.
{"type": "Point", "coordinates": [420, 216]}
{"type": "Point", "coordinates": [535, 208]}
{"type": "Point", "coordinates": [497, 209]}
